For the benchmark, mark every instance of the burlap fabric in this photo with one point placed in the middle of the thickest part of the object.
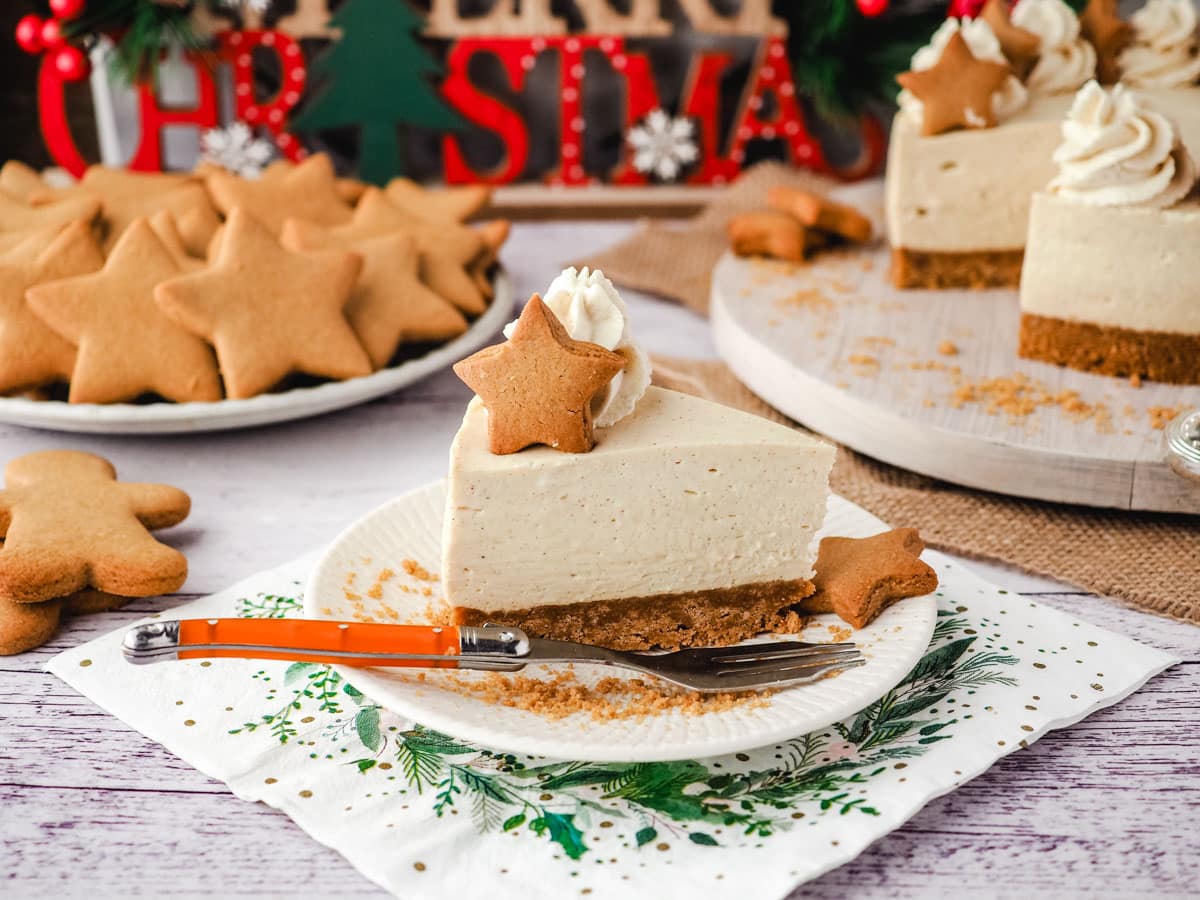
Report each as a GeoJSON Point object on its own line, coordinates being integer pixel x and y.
{"type": "Point", "coordinates": [1148, 561]}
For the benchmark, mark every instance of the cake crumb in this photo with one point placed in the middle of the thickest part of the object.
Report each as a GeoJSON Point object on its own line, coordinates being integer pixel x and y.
{"type": "Point", "coordinates": [864, 362]}
{"type": "Point", "coordinates": [876, 341]}
{"type": "Point", "coordinates": [1161, 416]}
{"type": "Point", "coordinates": [839, 634]}
{"type": "Point", "coordinates": [375, 591]}
{"type": "Point", "coordinates": [562, 694]}
{"type": "Point", "coordinates": [417, 571]}
{"type": "Point", "coordinates": [1135, 380]}
{"type": "Point", "coordinates": [351, 595]}
{"type": "Point", "coordinates": [948, 348]}
{"type": "Point", "coordinates": [808, 299]}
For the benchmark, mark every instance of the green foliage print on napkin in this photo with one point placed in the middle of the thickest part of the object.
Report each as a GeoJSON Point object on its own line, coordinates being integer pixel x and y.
{"type": "Point", "coordinates": [710, 803]}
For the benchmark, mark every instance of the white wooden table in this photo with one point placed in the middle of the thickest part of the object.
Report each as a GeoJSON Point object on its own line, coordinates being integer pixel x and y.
{"type": "Point", "coordinates": [91, 808]}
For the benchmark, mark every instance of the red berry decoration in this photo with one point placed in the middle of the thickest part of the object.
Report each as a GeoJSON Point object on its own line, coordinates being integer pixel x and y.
{"type": "Point", "coordinates": [872, 8]}
{"type": "Point", "coordinates": [70, 63]}
{"type": "Point", "coordinates": [966, 9]}
{"type": "Point", "coordinates": [52, 35]}
{"type": "Point", "coordinates": [67, 9]}
{"type": "Point", "coordinates": [29, 34]}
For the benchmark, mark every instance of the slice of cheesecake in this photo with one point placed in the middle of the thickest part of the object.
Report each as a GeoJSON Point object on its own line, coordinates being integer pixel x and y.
{"type": "Point", "coordinates": [688, 524]}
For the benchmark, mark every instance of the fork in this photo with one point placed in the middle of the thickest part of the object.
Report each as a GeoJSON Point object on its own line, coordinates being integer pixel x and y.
{"type": "Point", "coordinates": [743, 667]}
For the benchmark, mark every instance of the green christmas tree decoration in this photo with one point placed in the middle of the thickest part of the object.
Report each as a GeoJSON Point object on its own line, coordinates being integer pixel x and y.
{"type": "Point", "coordinates": [376, 77]}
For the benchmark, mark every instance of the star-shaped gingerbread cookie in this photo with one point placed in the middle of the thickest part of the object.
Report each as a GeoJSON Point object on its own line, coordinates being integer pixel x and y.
{"type": "Point", "coordinates": [31, 352]}
{"type": "Point", "coordinates": [389, 305]}
{"type": "Point", "coordinates": [450, 204]}
{"type": "Point", "coordinates": [957, 91]}
{"type": "Point", "coordinates": [267, 311]}
{"type": "Point", "coordinates": [857, 578]}
{"type": "Point", "coordinates": [1103, 26]}
{"type": "Point", "coordinates": [1020, 46]}
{"type": "Point", "coordinates": [126, 196]}
{"type": "Point", "coordinates": [127, 346]}
{"type": "Point", "coordinates": [17, 215]}
{"type": "Point", "coordinates": [306, 191]}
{"type": "Point", "coordinates": [68, 524]}
{"type": "Point", "coordinates": [538, 386]}
{"type": "Point", "coordinates": [446, 249]}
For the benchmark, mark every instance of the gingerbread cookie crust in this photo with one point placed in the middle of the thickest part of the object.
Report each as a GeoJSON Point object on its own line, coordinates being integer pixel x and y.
{"type": "Point", "coordinates": [710, 618]}
{"type": "Point", "coordinates": [937, 270]}
{"type": "Point", "coordinates": [1109, 350]}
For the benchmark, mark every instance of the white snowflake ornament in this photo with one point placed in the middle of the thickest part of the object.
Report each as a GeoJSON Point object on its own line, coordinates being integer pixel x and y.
{"type": "Point", "coordinates": [235, 148]}
{"type": "Point", "coordinates": [663, 145]}
{"type": "Point", "coordinates": [258, 6]}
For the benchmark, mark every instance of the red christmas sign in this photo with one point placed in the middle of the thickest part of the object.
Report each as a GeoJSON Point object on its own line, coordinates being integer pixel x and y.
{"type": "Point", "coordinates": [374, 42]}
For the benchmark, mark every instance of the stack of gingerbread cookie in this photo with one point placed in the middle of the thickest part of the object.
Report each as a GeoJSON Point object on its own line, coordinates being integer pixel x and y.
{"type": "Point", "coordinates": [77, 540]}
{"type": "Point", "coordinates": [796, 223]}
{"type": "Point", "coordinates": [205, 285]}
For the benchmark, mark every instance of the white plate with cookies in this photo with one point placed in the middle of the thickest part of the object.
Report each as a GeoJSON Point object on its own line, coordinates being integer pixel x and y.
{"type": "Point", "coordinates": [265, 409]}
{"type": "Point", "coordinates": [383, 569]}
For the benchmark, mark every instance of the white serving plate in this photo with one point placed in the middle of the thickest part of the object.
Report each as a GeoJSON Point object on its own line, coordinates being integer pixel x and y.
{"type": "Point", "coordinates": [410, 527]}
{"type": "Point", "coordinates": [174, 418]}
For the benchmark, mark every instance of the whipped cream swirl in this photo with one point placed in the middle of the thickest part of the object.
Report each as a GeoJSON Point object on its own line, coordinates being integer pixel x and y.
{"type": "Point", "coordinates": [590, 308]}
{"type": "Point", "coordinates": [1116, 151]}
{"type": "Point", "coordinates": [1165, 52]}
{"type": "Point", "coordinates": [983, 44]}
{"type": "Point", "coordinates": [1066, 61]}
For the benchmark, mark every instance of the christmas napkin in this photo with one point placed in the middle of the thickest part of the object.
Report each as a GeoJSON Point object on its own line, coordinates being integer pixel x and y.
{"type": "Point", "coordinates": [427, 815]}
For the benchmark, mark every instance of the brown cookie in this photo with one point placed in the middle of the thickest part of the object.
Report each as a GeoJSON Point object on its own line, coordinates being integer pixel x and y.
{"type": "Point", "coordinates": [24, 626]}
{"type": "Point", "coordinates": [538, 386]}
{"type": "Point", "coordinates": [814, 211]}
{"type": "Point", "coordinates": [167, 230]}
{"type": "Point", "coordinates": [448, 204]}
{"type": "Point", "coordinates": [31, 353]}
{"type": "Point", "coordinates": [1020, 46]}
{"type": "Point", "coordinates": [446, 249]}
{"type": "Point", "coordinates": [90, 600]}
{"type": "Point", "coordinates": [389, 305]}
{"type": "Point", "coordinates": [127, 346]}
{"type": "Point", "coordinates": [858, 578]}
{"type": "Point", "coordinates": [306, 191]}
{"type": "Point", "coordinates": [68, 525]}
{"type": "Point", "coordinates": [1103, 26]}
{"type": "Point", "coordinates": [269, 312]}
{"type": "Point", "coordinates": [19, 180]}
{"type": "Point", "coordinates": [770, 233]}
{"type": "Point", "coordinates": [494, 235]}
{"type": "Point", "coordinates": [126, 196]}
{"type": "Point", "coordinates": [17, 215]}
{"type": "Point", "coordinates": [957, 92]}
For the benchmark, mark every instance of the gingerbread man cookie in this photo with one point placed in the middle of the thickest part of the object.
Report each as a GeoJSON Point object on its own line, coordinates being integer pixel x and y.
{"type": "Point", "coordinates": [69, 525]}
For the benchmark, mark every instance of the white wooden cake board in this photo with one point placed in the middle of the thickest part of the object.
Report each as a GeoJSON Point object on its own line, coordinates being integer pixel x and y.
{"type": "Point", "coordinates": [835, 346]}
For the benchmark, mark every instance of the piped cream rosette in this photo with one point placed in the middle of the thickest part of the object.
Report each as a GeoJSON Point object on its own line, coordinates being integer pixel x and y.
{"type": "Point", "coordinates": [1117, 151]}
{"type": "Point", "coordinates": [592, 310]}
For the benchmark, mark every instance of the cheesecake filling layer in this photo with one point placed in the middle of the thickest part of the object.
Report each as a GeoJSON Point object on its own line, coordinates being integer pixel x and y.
{"type": "Point", "coordinates": [711, 618]}
{"type": "Point", "coordinates": [968, 191]}
{"type": "Point", "coordinates": [1117, 267]}
{"type": "Point", "coordinates": [682, 497]}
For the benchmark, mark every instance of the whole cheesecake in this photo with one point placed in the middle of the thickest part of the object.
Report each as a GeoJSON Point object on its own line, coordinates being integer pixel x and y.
{"type": "Point", "coordinates": [958, 202]}
{"type": "Point", "coordinates": [689, 524]}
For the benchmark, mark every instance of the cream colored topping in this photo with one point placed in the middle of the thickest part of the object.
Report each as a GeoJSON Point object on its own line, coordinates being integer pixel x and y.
{"type": "Point", "coordinates": [591, 309]}
{"type": "Point", "coordinates": [1125, 267]}
{"type": "Point", "coordinates": [684, 495]}
{"type": "Point", "coordinates": [983, 44]}
{"type": "Point", "coordinates": [1117, 151]}
{"type": "Point", "coordinates": [1066, 60]}
{"type": "Point", "coordinates": [970, 190]}
{"type": "Point", "coordinates": [1165, 52]}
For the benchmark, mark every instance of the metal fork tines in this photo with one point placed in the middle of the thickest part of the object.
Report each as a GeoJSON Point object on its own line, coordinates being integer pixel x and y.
{"type": "Point", "coordinates": [737, 668]}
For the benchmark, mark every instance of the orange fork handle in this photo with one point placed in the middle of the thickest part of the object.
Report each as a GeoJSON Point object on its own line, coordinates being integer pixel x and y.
{"type": "Point", "coordinates": [305, 640]}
